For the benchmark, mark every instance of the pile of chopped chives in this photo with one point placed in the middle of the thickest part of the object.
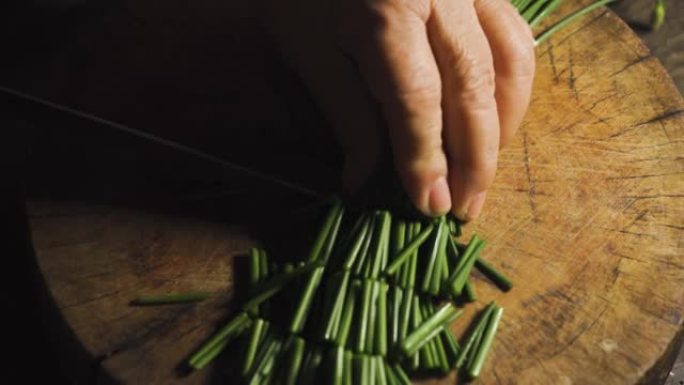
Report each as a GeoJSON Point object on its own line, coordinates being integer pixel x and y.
{"type": "Point", "coordinates": [372, 302]}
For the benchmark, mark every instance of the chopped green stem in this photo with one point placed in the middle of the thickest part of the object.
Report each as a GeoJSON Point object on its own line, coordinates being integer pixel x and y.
{"type": "Point", "coordinates": [427, 329]}
{"type": "Point", "coordinates": [254, 339]}
{"type": "Point", "coordinates": [463, 259]}
{"type": "Point", "coordinates": [432, 261]}
{"type": "Point", "coordinates": [358, 243]}
{"type": "Point", "coordinates": [323, 235]}
{"type": "Point", "coordinates": [304, 304]}
{"type": "Point", "coordinates": [254, 266]}
{"type": "Point", "coordinates": [545, 12]}
{"type": "Point", "coordinates": [533, 9]}
{"type": "Point", "coordinates": [348, 368]}
{"type": "Point", "coordinates": [264, 360]}
{"type": "Point", "coordinates": [360, 262]}
{"type": "Point", "coordinates": [381, 332]}
{"type": "Point", "coordinates": [338, 371]}
{"type": "Point", "coordinates": [409, 249]}
{"type": "Point", "coordinates": [494, 275]}
{"type": "Point", "coordinates": [382, 242]}
{"type": "Point", "coordinates": [391, 377]}
{"type": "Point", "coordinates": [398, 237]}
{"type": "Point", "coordinates": [263, 265]}
{"type": "Point", "coordinates": [295, 356]}
{"type": "Point", "coordinates": [569, 19]}
{"type": "Point", "coordinates": [379, 367]}
{"type": "Point", "coordinates": [451, 346]}
{"type": "Point", "coordinates": [332, 325]}
{"type": "Point", "coordinates": [372, 318]}
{"type": "Point", "coordinates": [460, 277]}
{"type": "Point", "coordinates": [271, 287]}
{"type": "Point", "coordinates": [470, 292]}
{"type": "Point", "coordinates": [485, 344]}
{"type": "Point", "coordinates": [401, 375]}
{"type": "Point", "coordinates": [367, 289]}
{"type": "Point", "coordinates": [406, 313]}
{"type": "Point", "coordinates": [210, 349]}
{"type": "Point", "coordinates": [347, 316]}
{"type": "Point", "coordinates": [472, 337]}
{"type": "Point", "coordinates": [396, 301]}
{"type": "Point", "coordinates": [171, 299]}
{"type": "Point", "coordinates": [658, 15]}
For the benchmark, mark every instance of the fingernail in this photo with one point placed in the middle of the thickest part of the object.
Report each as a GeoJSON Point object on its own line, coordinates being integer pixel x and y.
{"type": "Point", "coordinates": [440, 197]}
{"type": "Point", "coordinates": [475, 206]}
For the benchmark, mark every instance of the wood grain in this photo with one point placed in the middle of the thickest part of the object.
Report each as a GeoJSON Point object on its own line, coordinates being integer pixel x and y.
{"type": "Point", "coordinates": [586, 215]}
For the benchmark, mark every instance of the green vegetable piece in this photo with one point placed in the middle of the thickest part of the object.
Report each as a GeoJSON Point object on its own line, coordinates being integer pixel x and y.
{"type": "Point", "coordinates": [495, 276]}
{"type": "Point", "coordinates": [302, 310]}
{"type": "Point", "coordinates": [434, 252]}
{"type": "Point", "coordinates": [357, 245]}
{"type": "Point", "coordinates": [459, 278]}
{"type": "Point", "coordinates": [338, 372]}
{"type": "Point", "coordinates": [272, 286]}
{"type": "Point", "coordinates": [401, 375]}
{"type": "Point", "coordinates": [366, 302]}
{"type": "Point", "coordinates": [470, 292]}
{"type": "Point", "coordinates": [254, 266]}
{"type": "Point", "coordinates": [215, 345]}
{"type": "Point", "coordinates": [569, 19]}
{"type": "Point", "coordinates": [658, 15]}
{"type": "Point", "coordinates": [295, 356]}
{"type": "Point", "coordinates": [348, 368]}
{"type": "Point", "coordinates": [171, 299]}
{"type": "Point", "coordinates": [334, 214]}
{"type": "Point", "coordinates": [492, 324]}
{"type": "Point", "coordinates": [254, 339]}
{"type": "Point", "coordinates": [428, 328]}
{"type": "Point", "coordinates": [408, 250]}
{"type": "Point", "coordinates": [332, 325]}
{"type": "Point", "coordinates": [472, 337]}
{"type": "Point", "coordinates": [381, 333]}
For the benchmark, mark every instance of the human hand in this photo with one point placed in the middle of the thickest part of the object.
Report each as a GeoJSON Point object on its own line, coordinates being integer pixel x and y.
{"type": "Point", "coordinates": [452, 79]}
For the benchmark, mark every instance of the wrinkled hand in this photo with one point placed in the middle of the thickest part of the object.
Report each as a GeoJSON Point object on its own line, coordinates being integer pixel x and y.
{"type": "Point", "coordinates": [452, 79]}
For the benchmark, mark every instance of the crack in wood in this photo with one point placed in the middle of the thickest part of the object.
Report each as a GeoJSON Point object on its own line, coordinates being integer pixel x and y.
{"type": "Point", "coordinates": [639, 60]}
{"type": "Point", "coordinates": [532, 191]}
{"type": "Point", "coordinates": [662, 117]}
{"type": "Point", "coordinates": [552, 61]}
{"type": "Point", "coordinates": [572, 79]}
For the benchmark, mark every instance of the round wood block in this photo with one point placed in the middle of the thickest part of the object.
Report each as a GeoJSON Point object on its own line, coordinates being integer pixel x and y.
{"type": "Point", "coordinates": [586, 217]}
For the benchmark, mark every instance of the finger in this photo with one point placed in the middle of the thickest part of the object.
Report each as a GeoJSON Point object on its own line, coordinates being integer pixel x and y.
{"type": "Point", "coordinates": [512, 46]}
{"type": "Point", "coordinates": [397, 62]}
{"type": "Point", "coordinates": [470, 110]}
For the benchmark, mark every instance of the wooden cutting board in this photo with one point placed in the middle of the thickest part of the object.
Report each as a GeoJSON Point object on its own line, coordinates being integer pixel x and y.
{"type": "Point", "coordinates": [586, 216]}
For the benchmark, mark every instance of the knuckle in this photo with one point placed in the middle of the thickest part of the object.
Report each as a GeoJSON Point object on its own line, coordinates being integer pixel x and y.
{"type": "Point", "coordinates": [476, 82]}
{"type": "Point", "coordinates": [418, 96]}
{"type": "Point", "coordinates": [519, 57]}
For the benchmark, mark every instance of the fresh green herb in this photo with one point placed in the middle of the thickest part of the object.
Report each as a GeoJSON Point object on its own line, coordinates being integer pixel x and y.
{"type": "Point", "coordinates": [215, 345]}
{"type": "Point", "coordinates": [408, 250]}
{"type": "Point", "coordinates": [658, 15]}
{"type": "Point", "coordinates": [470, 292]}
{"type": "Point", "coordinates": [494, 275]}
{"type": "Point", "coordinates": [569, 19]}
{"type": "Point", "coordinates": [171, 299]}
{"type": "Point", "coordinates": [472, 337]}
{"type": "Point", "coordinates": [492, 324]}
{"type": "Point", "coordinates": [427, 329]}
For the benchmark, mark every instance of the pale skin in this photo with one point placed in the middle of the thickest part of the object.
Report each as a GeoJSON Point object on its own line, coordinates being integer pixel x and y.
{"type": "Point", "coordinates": [450, 81]}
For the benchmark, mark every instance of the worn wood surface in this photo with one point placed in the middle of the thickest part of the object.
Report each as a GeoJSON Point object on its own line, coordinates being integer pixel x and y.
{"type": "Point", "coordinates": [586, 216]}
